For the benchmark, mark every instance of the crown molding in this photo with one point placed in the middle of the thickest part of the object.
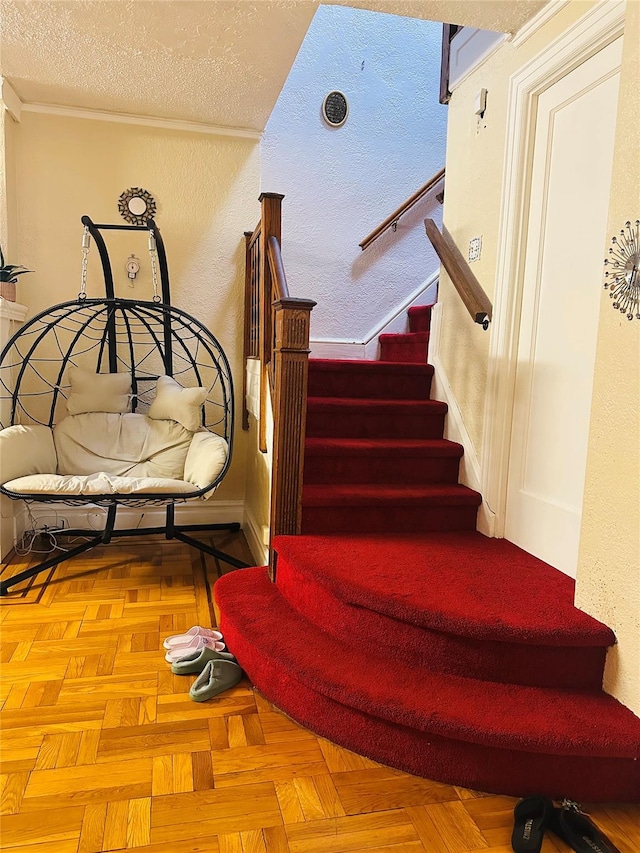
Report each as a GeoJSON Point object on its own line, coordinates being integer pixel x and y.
{"type": "Point", "coordinates": [485, 51]}
{"type": "Point", "coordinates": [143, 121]}
{"type": "Point", "coordinates": [10, 99]}
{"type": "Point", "coordinates": [539, 20]}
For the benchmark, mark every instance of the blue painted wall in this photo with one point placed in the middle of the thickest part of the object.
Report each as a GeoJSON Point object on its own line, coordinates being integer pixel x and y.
{"type": "Point", "coordinates": [340, 183]}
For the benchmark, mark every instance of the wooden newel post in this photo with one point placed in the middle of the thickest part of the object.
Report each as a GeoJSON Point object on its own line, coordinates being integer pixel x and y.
{"type": "Point", "coordinates": [271, 222]}
{"type": "Point", "coordinates": [291, 369]}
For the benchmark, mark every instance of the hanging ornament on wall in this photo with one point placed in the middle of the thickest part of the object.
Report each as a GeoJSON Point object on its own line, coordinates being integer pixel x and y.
{"type": "Point", "coordinates": [335, 109]}
{"type": "Point", "coordinates": [137, 206]}
{"type": "Point", "coordinates": [622, 271]}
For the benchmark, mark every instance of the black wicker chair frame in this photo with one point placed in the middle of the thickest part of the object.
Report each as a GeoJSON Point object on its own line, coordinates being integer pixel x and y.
{"type": "Point", "coordinates": [145, 339]}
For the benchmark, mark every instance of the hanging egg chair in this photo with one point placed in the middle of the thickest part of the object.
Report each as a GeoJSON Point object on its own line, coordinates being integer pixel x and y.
{"type": "Point", "coordinates": [115, 402]}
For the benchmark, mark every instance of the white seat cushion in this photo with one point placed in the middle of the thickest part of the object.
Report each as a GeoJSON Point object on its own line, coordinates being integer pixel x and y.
{"type": "Point", "coordinates": [96, 484]}
{"type": "Point", "coordinates": [121, 445]}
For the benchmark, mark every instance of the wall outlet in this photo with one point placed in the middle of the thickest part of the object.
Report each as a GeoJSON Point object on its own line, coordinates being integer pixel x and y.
{"type": "Point", "coordinates": [475, 249]}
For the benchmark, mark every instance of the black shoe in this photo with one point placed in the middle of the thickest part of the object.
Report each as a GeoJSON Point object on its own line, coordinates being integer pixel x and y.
{"type": "Point", "coordinates": [579, 832]}
{"type": "Point", "coordinates": [531, 818]}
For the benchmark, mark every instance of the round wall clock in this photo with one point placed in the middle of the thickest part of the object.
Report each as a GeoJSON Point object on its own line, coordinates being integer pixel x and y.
{"type": "Point", "coordinates": [622, 271]}
{"type": "Point", "coordinates": [137, 206]}
{"type": "Point", "coordinates": [335, 109]}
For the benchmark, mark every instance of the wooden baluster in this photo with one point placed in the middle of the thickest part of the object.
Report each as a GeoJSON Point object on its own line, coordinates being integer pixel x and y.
{"type": "Point", "coordinates": [246, 347]}
{"type": "Point", "coordinates": [291, 363]}
{"type": "Point", "coordinates": [255, 293]}
{"type": "Point", "coordinates": [271, 206]}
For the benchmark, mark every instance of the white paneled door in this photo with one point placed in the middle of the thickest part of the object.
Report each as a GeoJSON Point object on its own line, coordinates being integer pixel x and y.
{"type": "Point", "coordinates": [562, 288]}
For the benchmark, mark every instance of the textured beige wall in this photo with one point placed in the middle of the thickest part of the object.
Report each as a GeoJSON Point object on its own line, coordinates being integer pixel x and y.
{"type": "Point", "coordinates": [4, 229]}
{"type": "Point", "coordinates": [608, 580]}
{"type": "Point", "coordinates": [475, 166]}
{"type": "Point", "coordinates": [206, 188]}
{"type": "Point", "coordinates": [8, 132]}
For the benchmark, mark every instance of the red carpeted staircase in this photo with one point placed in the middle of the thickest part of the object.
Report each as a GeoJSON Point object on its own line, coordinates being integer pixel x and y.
{"type": "Point", "coordinates": [398, 631]}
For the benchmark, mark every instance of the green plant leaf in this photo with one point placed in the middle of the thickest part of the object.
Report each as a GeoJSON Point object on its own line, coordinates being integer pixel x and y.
{"type": "Point", "coordinates": [10, 272]}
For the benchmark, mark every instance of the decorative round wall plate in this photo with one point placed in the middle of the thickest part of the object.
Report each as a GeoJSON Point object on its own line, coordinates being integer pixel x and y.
{"type": "Point", "coordinates": [137, 206]}
{"type": "Point", "coordinates": [622, 271]}
{"type": "Point", "coordinates": [335, 109]}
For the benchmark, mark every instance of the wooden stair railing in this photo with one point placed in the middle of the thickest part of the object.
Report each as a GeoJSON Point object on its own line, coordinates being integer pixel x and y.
{"type": "Point", "coordinates": [392, 220]}
{"type": "Point", "coordinates": [277, 333]}
{"type": "Point", "coordinates": [469, 288]}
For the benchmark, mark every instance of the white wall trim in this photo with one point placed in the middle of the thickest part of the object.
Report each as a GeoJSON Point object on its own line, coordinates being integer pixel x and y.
{"type": "Point", "coordinates": [255, 535]}
{"type": "Point", "coordinates": [334, 348]}
{"type": "Point", "coordinates": [480, 44]}
{"type": "Point", "coordinates": [12, 103]}
{"type": "Point", "coordinates": [92, 517]}
{"type": "Point", "coordinates": [395, 321]}
{"type": "Point", "coordinates": [539, 20]}
{"type": "Point", "coordinates": [12, 311]}
{"type": "Point", "coordinates": [143, 121]}
{"type": "Point", "coordinates": [589, 34]}
{"type": "Point", "coordinates": [455, 429]}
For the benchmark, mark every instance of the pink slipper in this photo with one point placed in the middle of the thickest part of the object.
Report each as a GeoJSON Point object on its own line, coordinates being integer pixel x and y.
{"type": "Point", "coordinates": [184, 639]}
{"type": "Point", "coordinates": [177, 652]}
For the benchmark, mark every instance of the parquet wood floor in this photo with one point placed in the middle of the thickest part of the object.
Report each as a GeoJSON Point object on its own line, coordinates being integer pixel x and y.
{"type": "Point", "coordinates": [103, 750]}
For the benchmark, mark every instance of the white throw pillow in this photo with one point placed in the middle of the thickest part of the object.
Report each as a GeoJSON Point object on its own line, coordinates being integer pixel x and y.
{"type": "Point", "coordinates": [175, 403]}
{"type": "Point", "coordinates": [98, 392]}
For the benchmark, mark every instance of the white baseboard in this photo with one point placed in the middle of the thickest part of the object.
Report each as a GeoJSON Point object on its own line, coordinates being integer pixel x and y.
{"type": "Point", "coordinates": [90, 517]}
{"type": "Point", "coordinates": [255, 535]}
{"type": "Point", "coordinates": [455, 429]}
{"type": "Point", "coordinates": [327, 348]}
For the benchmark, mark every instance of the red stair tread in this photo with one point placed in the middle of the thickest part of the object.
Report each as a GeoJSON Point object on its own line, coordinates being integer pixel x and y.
{"type": "Point", "coordinates": [420, 318]}
{"type": "Point", "coordinates": [405, 338]}
{"type": "Point", "coordinates": [361, 365]}
{"type": "Point", "coordinates": [364, 403]}
{"type": "Point", "coordinates": [360, 405]}
{"type": "Point", "coordinates": [374, 494]}
{"type": "Point", "coordinates": [503, 771]}
{"type": "Point", "coordinates": [570, 666]}
{"type": "Point", "coordinates": [382, 447]}
{"type": "Point", "coordinates": [530, 719]}
{"type": "Point", "coordinates": [460, 583]}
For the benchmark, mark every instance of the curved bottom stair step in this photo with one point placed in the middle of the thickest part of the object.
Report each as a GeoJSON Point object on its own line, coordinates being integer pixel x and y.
{"type": "Point", "coordinates": [480, 734]}
{"type": "Point", "coordinates": [577, 667]}
{"type": "Point", "coordinates": [462, 583]}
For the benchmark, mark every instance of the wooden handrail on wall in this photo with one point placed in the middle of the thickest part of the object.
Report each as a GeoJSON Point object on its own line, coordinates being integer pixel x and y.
{"type": "Point", "coordinates": [276, 265]}
{"type": "Point", "coordinates": [277, 332]}
{"type": "Point", "coordinates": [392, 220]}
{"type": "Point", "coordinates": [469, 288]}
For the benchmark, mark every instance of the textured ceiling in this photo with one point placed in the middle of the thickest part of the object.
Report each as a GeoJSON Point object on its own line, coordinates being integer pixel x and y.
{"type": "Point", "coordinates": [213, 61]}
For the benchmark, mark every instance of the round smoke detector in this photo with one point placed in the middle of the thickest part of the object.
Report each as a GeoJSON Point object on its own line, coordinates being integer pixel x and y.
{"type": "Point", "coordinates": [335, 109]}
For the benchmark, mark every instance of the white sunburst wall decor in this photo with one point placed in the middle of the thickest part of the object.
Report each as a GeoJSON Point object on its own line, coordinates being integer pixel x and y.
{"type": "Point", "coordinates": [622, 271]}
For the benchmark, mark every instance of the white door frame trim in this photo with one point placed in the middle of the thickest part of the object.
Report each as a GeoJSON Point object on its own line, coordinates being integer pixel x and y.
{"type": "Point", "coordinates": [590, 34]}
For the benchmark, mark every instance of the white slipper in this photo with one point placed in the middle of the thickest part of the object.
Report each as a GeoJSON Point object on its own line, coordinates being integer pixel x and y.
{"type": "Point", "coordinates": [184, 639]}
{"type": "Point", "coordinates": [177, 652]}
